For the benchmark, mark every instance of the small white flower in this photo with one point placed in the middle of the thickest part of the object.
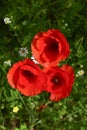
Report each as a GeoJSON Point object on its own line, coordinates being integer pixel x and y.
{"type": "Point", "coordinates": [33, 59]}
{"type": "Point", "coordinates": [66, 24]}
{"type": "Point", "coordinates": [70, 118]}
{"type": "Point", "coordinates": [7, 20]}
{"type": "Point", "coordinates": [81, 72]}
{"type": "Point", "coordinates": [8, 62]}
{"type": "Point", "coordinates": [15, 109]}
{"type": "Point", "coordinates": [23, 52]}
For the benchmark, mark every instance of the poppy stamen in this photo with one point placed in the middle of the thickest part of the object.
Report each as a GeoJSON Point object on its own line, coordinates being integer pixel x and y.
{"type": "Point", "coordinates": [55, 80]}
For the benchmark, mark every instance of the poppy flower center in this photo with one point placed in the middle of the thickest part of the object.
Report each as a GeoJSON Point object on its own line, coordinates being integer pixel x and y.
{"type": "Point", "coordinates": [51, 49]}
{"type": "Point", "coordinates": [28, 73]}
{"type": "Point", "coordinates": [52, 46]}
{"type": "Point", "coordinates": [55, 80]}
{"type": "Point", "coordinates": [29, 76]}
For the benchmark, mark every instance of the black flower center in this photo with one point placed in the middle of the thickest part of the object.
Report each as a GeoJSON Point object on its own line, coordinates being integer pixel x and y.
{"type": "Point", "coordinates": [51, 49]}
{"type": "Point", "coordinates": [29, 75]}
{"type": "Point", "coordinates": [52, 46]}
{"type": "Point", "coordinates": [55, 80]}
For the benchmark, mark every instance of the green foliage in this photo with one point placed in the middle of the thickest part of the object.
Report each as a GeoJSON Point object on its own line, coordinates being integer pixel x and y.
{"type": "Point", "coordinates": [27, 18]}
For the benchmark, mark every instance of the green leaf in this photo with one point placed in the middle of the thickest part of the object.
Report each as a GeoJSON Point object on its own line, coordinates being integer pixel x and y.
{"type": "Point", "coordinates": [23, 127]}
{"type": "Point", "coordinates": [2, 127]}
{"type": "Point", "coordinates": [17, 129]}
{"type": "Point", "coordinates": [14, 93]}
{"type": "Point", "coordinates": [79, 47]}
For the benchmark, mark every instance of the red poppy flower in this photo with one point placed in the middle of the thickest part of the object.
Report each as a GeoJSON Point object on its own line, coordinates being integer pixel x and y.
{"type": "Point", "coordinates": [50, 47]}
{"type": "Point", "coordinates": [27, 77]}
{"type": "Point", "coordinates": [59, 81]}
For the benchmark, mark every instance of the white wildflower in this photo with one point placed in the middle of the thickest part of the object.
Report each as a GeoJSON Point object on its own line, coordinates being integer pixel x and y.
{"type": "Point", "coordinates": [66, 24]}
{"type": "Point", "coordinates": [8, 62]}
{"type": "Point", "coordinates": [80, 73]}
{"type": "Point", "coordinates": [7, 20]}
{"type": "Point", "coordinates": [23, 52]}
{"type": "Point", "coordinates": [70, 118]}
{"type": "Point", "coordinates": [33, 59]}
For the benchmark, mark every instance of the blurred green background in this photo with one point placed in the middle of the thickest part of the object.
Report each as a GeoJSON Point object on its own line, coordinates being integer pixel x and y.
{"type": "Point", "coordinates": [27, 18]}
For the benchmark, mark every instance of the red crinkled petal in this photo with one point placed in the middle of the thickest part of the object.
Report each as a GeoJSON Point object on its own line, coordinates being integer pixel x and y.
{"type": "Point", "coordinates": [45, 52]}
{"type": "Point", "coordinates": [63, 88]}
{"type": "Point", "coordinates": [70, 71]}
{"type": "Point", "coordinates": [33, 82]}
{"type": "Point", "coordinates": [31, 87]}
{"type": "Point", "coordinates": [55, 97]}
{"type": "Point", "coordinates": [27, 77]}
{"type": "Point", "coordinates": [13, 74]}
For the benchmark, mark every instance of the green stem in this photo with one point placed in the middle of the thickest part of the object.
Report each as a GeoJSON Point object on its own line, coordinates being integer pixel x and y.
{"type": "Point", "coordinates": [13, 26]}
{"type": "Point", "coordinates": [70, 115]}
{"type": "Point", "coordinates": [80, 62]}
{"type": "Point", "coordinates": [27, 108]}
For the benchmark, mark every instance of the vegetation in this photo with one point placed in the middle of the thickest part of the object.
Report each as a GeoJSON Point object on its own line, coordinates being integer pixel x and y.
{"type": "Point", "coordinates": [25, 19]}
